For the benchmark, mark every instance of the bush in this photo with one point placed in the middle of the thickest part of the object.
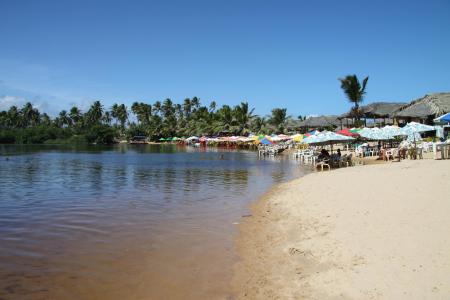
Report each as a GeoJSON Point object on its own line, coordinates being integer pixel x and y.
{"type": "Point", "coordinates": [100, 134]}
{"type": "Point", "coordinates": [7, 137]}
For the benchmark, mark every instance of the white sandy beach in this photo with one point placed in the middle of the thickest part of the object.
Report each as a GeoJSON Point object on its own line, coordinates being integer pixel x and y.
{"type": "Point", "coordinates": [372, 232]}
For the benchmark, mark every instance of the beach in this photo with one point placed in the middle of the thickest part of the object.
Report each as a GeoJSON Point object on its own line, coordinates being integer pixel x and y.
{"type": "Point", "coordinates": [369, 232]}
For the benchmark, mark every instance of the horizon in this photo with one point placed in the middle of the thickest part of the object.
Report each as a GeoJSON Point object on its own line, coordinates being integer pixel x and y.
{"type": "Point", "coordinates": [288, 55]}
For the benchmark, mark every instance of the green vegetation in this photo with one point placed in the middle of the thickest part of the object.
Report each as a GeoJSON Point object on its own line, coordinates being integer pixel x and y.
{"type": "Point", "coordinates": [354, 92]}
{"type": "Point", "coordinates": [164, 119]}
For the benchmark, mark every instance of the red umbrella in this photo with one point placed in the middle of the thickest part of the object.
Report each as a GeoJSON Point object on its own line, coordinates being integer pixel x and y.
{"type": "Point", "coordinates": [347, 132]}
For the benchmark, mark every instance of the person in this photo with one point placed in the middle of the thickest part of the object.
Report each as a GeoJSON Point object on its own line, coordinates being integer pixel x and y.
{"type": "Point", "coordinates": [339, 153]}
{"type": "Point", "coordinates": [324, 155]}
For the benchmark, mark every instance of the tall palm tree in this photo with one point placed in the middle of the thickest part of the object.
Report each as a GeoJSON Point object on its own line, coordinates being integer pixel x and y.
{"type": "Point", "coordinates": [212, 106]}
{"type": "Point", "coordinates": [30, 115]}
{"type": "Point", "coordinates": [95, 113]}
{"type": "Point", "coordinates": [278, 119]}
{"type": "Point", "coordinates": [354, 91]}
{"type": "Point", "coordinates": [107, 117]}
{"type": "Point", "coordinates": [45, 119]}
{"type": "Point", "coordinates": [146, 113]}
{"type": "Point", "coordinates": [257, 125]}
{"type": "Point", "coordinates": [122, 115]}
{"type": "Point", "coordinates": [225, 119]}
{"type": "Point", "coordinates": [157, 107]}
{"type": "Point", "coordinates": [243, 116]}
{"type": "Point", "coordinates": [115, 111]}
{"type": "Point", "coordinates": [195, 102]}
{"type": "Point", "coordinates": [63, 119]}
{"type": "Point", "coordinates": [187, 108]}
{"type": "Point", "coordinates": [75, 116]}
{"type": "Point", "coordinates": [13, 117]}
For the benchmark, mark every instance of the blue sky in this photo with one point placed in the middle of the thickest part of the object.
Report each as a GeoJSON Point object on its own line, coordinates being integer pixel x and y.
{"type": "Point", "coordinates": [269, 53]}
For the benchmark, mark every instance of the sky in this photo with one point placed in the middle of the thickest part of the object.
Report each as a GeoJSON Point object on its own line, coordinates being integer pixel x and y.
{"type": "Point", "coordinates": [286, 54]}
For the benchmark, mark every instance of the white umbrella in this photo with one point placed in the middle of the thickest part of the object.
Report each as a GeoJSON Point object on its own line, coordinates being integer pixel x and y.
{"type": "Point", "coordinates": [326, 137]}
{"type": "Point", "coordinates": [191, 138]}
{"type": "Point", "coordinates": [374, 134]}
{"type": "Point", "coordinates": [413, 130]}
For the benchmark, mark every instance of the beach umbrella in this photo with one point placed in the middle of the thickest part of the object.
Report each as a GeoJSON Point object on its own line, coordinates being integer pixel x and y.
{"type": "Point", "coordinates": [391, 131]}
{"type": "Point", "coordinates": [347, 132]}
{"type": "Point", "coordinates": [265, 141]}
{"type": "Point", "coordinates": [443, 119]}
{"type": "Point", "coordinates": [327, 138]}
{"type": "Point", "coordinates": [162, 139]}
{"type": "Point", "coordinates": [203, 139]}
{"type": "Point", "coordinates": [413, 129]}
{"type": "Point", "coordinates": [417, 127]}
{"type": "Point", "coordinates": [192, 138]}
{"type": "Point", "coordinates": [275, 138]}
{"type": "Point", "coordinates": [297, 137]}
{"type": "Point", "coordinates": [313, 132]}
{"type": "Point", "coordinates": [373, 134]}
{"type": "Point", "coordinates": [284, 137]}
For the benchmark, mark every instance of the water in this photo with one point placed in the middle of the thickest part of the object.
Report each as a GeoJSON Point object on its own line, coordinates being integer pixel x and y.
{"type": "Point", "coordinates": [125, 222]}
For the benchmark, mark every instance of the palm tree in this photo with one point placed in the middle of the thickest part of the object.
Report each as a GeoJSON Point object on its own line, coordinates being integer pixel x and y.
{"type": "Point", "coordinates": [95, 113]}
{"type": "Point", "coordinates": [187, 108]}
{"type": "Point", "coordinates": [258, 124]}
{"type": "Point", "coordinates": [107, 118]}
{"type": "Point", "coordinates": [63, 119]}
{"type": "Point", "coordinates": [30, 115]}
{"type": "Point", "coordinates": [75, 116]}
{"type": "Point", "coordinates": [243, 117]}
{"type": "Point", "coordinates": [157, 107]}
{"type": "Point", "coordinates": [195, 102]}
{"type": "Point", "coordinates": [353, 90]}
{"type": "Point", "coordinates": [122, 115]}
{"type": "Point", "coordinates": [212, 106]}
{"type": "Point", "coordinates": [225, 119]}
{"type": "Point", "coordinates": [13, 117]}
{"type": "Point", "coordinates": [115, 111]}
{"type": "Point", "coordinates": [278, 119]}
{"type": "Point", "coordinates": [45, 119]}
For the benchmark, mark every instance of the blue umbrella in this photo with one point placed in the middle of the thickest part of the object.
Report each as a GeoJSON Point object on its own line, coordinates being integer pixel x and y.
{"type": "Point", "coordinates": [444, 118]}
{"type": "Point", "coordinates": [265, 142]}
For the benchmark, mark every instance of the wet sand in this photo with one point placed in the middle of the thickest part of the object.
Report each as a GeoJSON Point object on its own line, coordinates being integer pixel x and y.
{"type": "Point", "coordinates": [372, 232]}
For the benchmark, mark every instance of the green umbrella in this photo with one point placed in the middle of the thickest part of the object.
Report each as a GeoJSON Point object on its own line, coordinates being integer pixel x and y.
{"type": "Point", "coordinates": [162, 139]}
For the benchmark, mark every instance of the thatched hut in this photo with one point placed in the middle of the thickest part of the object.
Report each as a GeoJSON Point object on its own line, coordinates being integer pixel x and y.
{"type": "Point", "coordinates": [375, 110]}
{"type": "Point", "coordinates": [293, 125]}
{"type": "Point", "coordinates": [320, 122]}
{"type": "Point", "coordinates": [424, 109]}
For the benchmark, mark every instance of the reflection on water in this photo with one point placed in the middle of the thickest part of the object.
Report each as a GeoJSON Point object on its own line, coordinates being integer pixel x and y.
{"type": "Point", "coordinates": [124, 222]}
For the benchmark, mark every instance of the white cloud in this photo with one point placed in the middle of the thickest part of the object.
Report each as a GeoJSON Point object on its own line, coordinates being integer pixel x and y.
{"type": "Point", "coordinates": [7, 101]}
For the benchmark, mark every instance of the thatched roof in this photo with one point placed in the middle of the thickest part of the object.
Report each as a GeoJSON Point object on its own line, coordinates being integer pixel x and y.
{"type": "Point", "coordinates": [376, 110]}
{"type": "Point", "coordinates": [292, 124]}
{"type": "Point", "coordinates": [320, 121]}
{"type": "Point", "coordinates": [433, 105]}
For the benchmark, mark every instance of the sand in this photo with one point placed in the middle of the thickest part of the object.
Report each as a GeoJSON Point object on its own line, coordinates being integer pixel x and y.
{"type": "Point", "coordinates": [369, 232]}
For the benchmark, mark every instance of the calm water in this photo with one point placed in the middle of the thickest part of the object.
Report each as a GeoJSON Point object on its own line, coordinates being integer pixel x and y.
{"type": "Point", "coordinates": [125, 222]}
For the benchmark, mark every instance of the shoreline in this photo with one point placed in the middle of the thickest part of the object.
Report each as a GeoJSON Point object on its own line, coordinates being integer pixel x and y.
{"type": "Point", "coordinates": [378, 231]}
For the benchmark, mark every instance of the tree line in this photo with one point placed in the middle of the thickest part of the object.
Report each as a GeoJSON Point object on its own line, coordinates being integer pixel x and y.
{"type": "Point", "coordinates": [161, 119]}
{"type": "Point", "coordinates": [158, 120]}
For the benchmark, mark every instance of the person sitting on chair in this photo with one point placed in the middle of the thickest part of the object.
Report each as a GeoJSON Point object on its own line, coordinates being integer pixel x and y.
{"type": "Point", "coordinates": [339, 153]}
{"type": "Point", "coordinates": [324, 155]}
